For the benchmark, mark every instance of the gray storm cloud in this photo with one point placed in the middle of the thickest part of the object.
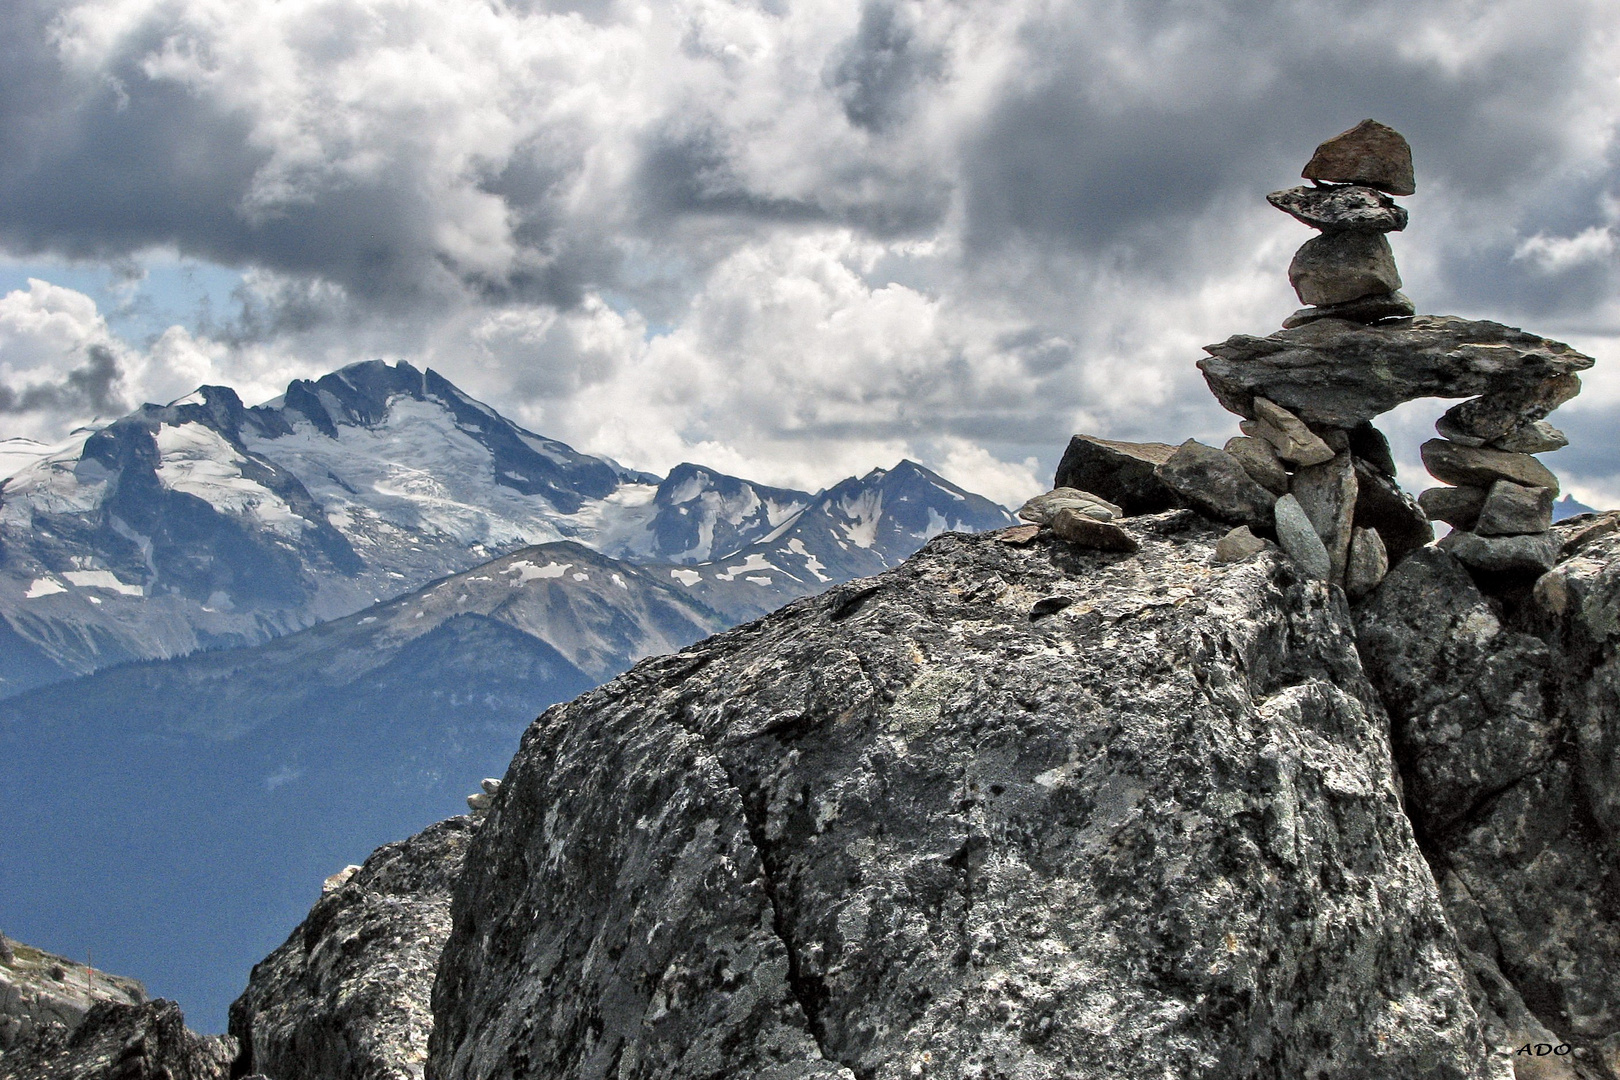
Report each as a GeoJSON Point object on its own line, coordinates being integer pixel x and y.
{"type": "Point", "coordinates": [743, 229]}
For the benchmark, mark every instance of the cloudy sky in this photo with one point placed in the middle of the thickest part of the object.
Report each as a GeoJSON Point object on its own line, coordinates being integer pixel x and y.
{"type": "Point", "coordinates": [789, 238]}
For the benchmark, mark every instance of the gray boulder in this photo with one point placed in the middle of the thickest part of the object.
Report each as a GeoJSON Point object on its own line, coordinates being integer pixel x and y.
{"type": "Point", "coordinates": [1214, 482]}
{"type": "Point", "coordinates": [1299, 538]}
{"type": "Point", "coordinates": [1512, 509]}
{"type": "Point", "coordinates": [1121, 472]}
{"type": "Point", "coordinates": [1382, 505]}
{"type": "Point", "coordinates": [1338, 268]}
{"type": "Point", "coordinates": [1458, 507]}
{"type": "Point", "coordinates": [1367, 565]}
{"type": "Point", "coordinates": [118, 1041]}
{"type": "Point", "coordinates": [1370, 153]}
{"type": "Point", "coordinates": [1001, 811]}
{"type": "Point", "coordinates": [1350, 208]}
{"type": "Point", "coordinates": [1327, 494]}
{"type": "Point", "coordinates": [347, 996]}
{"type": "Point", "coordinates": [1259, 459]}
{"type": "Point", "coordinates": [1334, 373]}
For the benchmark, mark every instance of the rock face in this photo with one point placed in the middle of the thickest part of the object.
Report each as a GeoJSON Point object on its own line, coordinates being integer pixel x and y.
{"type": "Point", "coordinates": [41, 992]}
{"type": "Point", "coordinates": [1004, 811]}
{"type": "Point", "coordinates": [346, 998]}
{"type": "Point", "coordinates": [122, 1042]}
{"type": "Point", "coordinates": [1506, 725]}
{"type": "Point", "coordinates": [1339, 374]}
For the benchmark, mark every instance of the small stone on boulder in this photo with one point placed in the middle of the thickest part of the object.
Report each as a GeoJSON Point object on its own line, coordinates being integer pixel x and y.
{"type": "Point", "coordinates": [1453, 463]}
{"type": "Point", "coordinates": [1019, 535]}
{"type": "Point", "coordinates": [1513, 509]}
{"type": "Point", "coordinates": [1368, 563]}
{"type": "Point", "coordinates": [1327, 494]}
{"type": "Point", "coordinates": [1368, 309]}
{"type": "Point", "coordinates": [1121, 472]}
{"type": "Point", "coordinates": [1298, 537]}
{"type": "Point", "coordinates": [1043, 508]}
{"type": "Point", "coordinates": [1539, 437]}
{"type": "Point", "coordinates": [1082, 530]}
{"type": "Point", "coordinates": [1237, 545]}
{"type": "Point", "coordinates": [1213, 482]}
{"type": "Point", "coordinates": [1371, 154]}
{"type": "Point", "coordinates": [490, 784]}
{"type": "Point", "coordinates": [1535, 553]}
{"type": "Point", "coordinates": [1458, 507]}
{"type": "Point", "coordinates": [1337, 268]}
{"type": "Point", "coordinates": [1288, 434]}
{"type": "Point", "coordinates": [1351, 208]}
{"type": "Point", "coordinates": [1259, 458]}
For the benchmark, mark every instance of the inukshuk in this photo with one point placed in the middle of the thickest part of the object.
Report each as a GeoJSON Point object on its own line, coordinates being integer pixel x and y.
{"type": "Point", "coordinates": [1310, 469]}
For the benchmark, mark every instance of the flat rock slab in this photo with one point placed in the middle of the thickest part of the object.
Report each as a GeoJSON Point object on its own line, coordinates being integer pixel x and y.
{"type": "Point", "coordinates": [1370, 153]}
{"type": "Point", "coordinates": [1366, 309]}
{"type": "Point", "coordinates": [1341, 209]}
{"type": "Point", "coordinates": [1043, 508]}
{"type": "Point", "coordinates": [1339, 374]}
{"type": "Point", "coordinates": [1504, 554]}
{"type": "Point", "coordinates": [1078, 528]}
{"type": "Point", "coordinates": [1454, 463]}
{"type": "Point", "coordinates": [1038, 813]}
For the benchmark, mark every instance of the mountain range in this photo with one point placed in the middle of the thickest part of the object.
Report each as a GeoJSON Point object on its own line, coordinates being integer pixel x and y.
{"type": "Point", "coordinates": [245, 645]}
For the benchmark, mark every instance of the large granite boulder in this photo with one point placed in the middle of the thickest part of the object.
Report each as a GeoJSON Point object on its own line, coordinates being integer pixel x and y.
{"type": "Point", "coordinates": [1006, 811]}
{"type": "Point", "coordinates": [347, 996]}
{"type": "Point", "coordinates": [118, 1041]}
{"type": "Point", "coordinates": [1338, 374]}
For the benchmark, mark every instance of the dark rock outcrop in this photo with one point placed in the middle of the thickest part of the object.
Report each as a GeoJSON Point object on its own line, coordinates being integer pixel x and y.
{"type": "Point", "coordinates": [1004, 811]}
{"type": "Point", "coordinates": [122, 1042]}
{"type": "Point", "coordinates": [347, 996]}
{"type": "Point", "coordinates": [1506, 718]}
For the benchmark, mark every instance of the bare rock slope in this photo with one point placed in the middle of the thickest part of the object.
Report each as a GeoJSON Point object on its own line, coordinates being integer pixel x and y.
{"type": "Point", "coordinates": [118, 1041]}
{"type": "Point", "coordinates": [1005, 811]}
{"type": "Point", "coordinates": [346, 997]}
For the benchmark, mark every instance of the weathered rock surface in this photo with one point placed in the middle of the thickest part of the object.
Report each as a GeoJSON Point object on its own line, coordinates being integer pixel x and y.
{"type": "Point", "coordinates": [1365, 309]}
{"type": "Point", "coordinates": [1121, 472]}
{"type": "Point", "coordinates": [1289, 436]}
{"type": "Point", "coordinates": [1338, 268]}
{"type": "Point", "coordinates": [1368, 563]}
{"type": "Point", "coordinates": [1481, 467]}
{"type": "Point", "coordinates": [347, 996]}
{"type": "Point", "coordinates": [1341, 209]}
{"type": "Point", "coordinates": [1538, 437]}
{"type": "Point", "coordinates": [117, 1041]}
{"type": "Point", "coordinates": [1022, 812]}
{"type": "Point", "coordinates": [1339, 374]}
{"type": "Point", "coordinates": [1507, 723]}
{"type": "Point", "coordinates": [1369, 153]}
{"type": "Point", "coordinates": [41, 992]}
{"type": "Point", "coordinates": [1214, 482]}
{"type": "Point", "coordinates": [1495, 416]}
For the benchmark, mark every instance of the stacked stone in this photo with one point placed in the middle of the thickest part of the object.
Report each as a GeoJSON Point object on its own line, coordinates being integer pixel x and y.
{"type": "Point", "coordinates": [1501, 507]}
{"type": "Point", "coordinates": [1310, 470]}
{"type": "Point", "coordinates": [1349, 272]}
{"type": "Point", "coordinates": [479, 802]}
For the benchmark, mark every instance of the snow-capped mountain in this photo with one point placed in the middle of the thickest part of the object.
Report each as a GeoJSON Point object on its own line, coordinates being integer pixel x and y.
{"type": "Point", "coordinates": [206, 524]}
{"type": "Point", "coordinates": [211, 793]}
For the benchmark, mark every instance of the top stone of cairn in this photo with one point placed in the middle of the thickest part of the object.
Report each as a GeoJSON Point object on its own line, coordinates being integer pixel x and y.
{"type": "Point", "coordinates": [1369, 154]}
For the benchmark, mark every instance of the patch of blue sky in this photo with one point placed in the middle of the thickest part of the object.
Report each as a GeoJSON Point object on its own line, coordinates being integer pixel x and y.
{"type": "Point", "coordinates": [143, 297]}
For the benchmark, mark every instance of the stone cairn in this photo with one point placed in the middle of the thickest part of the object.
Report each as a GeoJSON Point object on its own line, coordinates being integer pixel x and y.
{"type": "Point", "coordinates": [479, 802]}
{"type": "Point", "coordinates": [1310, 471]}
